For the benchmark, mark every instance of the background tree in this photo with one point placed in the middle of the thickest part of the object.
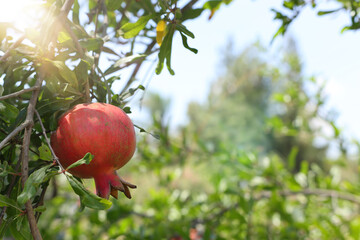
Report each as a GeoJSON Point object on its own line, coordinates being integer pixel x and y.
{"type": "Point", "coordinates": [261, 105]}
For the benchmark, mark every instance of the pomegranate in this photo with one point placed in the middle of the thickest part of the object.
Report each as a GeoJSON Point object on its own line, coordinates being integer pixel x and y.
{"type": "Point", "coordinates": [107, 133]}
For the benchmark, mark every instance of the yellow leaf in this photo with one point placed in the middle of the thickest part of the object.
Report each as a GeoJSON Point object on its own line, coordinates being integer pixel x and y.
{"type": "Point", "coordinates": [160, 31]}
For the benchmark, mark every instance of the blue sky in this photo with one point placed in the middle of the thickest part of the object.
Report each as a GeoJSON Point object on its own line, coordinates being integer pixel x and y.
{"type": "Point", "coordinates": [326, 54]}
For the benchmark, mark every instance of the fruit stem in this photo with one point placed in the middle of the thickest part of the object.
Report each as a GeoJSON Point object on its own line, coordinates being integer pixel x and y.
{"type": "Point", "coordinates": [87, 91]}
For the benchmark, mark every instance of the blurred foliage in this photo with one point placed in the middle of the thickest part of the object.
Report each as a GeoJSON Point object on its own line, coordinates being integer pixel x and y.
{"type": "Point", "coordinates": [194, 184]}
{"type": "Point", "coordinates": [292, 9]}
{"type": "Point", "coordinates": [262, 105]}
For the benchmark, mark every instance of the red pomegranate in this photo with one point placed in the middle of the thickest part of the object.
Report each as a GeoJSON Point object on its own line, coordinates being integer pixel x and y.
{"type": "Point", "coordinates": [107, 133]}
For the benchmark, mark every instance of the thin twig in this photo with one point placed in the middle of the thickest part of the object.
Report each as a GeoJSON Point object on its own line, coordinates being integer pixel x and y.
{"type": "Point", "coordinates": [78, 47]}
{"type": "Point", "coordinates": [55, 158]}
{"type": "Point", "coordinates": [189, 5]}
{"type": "Point", "coordinates": [25, 157]}
{"type": "Point", "coordinates": [106, 19]}
{"type": "Point", "coordinates": [65, 9]}
{"type": "Point", "coordinates": [41, 201]}
{"type": "Point", "coordinates": [13, 46]}
{"type": "Point", "coordinates": [15, 94]}
{"type": "Point", "coordinates": [14, 133]}
{"type": "Point", "coordinates": [106, 84]}
{"type": "Point", "coordinates": [137, 67]}
{"type": "Point", "coordinates": [123, 15]}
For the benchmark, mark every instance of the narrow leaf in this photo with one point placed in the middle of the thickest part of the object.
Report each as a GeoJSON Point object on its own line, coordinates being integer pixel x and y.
{"type": "Point", "coordinates": [65, 72]}
{"type": "Point", "coordinates": [33, 182]}
{"type": "Point", "coordinates": [183, 29]}
{"type": "Point", "coordinates": [128, 59]}
{"type": "Point", "coordinates": [165, 52]}
{"type": "Point", "coordinates": [122, 61]}
{"type": "Point", "coordinates": [191, 13]}
{"type": "Point", "coordinates": [8, 202]}
{"type": "Point", "coordinates": [85, 160]}
{"type": "Point", "coordinates": [184, 40]}
{"type": "Point", "coordinates": [75, 12]}
{"type": "Point", "coordinates": [321, 13]}
{"type": "Point", "coordinates": [130, 30]}
{"type": "Point", "coordinates": [45, 153]}
{"type": "Point", "coordinates": [87, 198]}
{"type": "Point", "coordinates": [92, 44]}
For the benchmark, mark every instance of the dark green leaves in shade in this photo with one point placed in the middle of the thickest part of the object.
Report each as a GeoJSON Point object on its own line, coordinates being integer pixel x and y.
{"type": "Point", "coordinates": [7, 202]}
{"type": "Point", "coordinates": [32, 184]}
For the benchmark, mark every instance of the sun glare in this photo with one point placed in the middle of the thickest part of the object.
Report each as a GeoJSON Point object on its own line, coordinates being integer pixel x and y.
{"type": "Point", "coordinates": [22, 13]}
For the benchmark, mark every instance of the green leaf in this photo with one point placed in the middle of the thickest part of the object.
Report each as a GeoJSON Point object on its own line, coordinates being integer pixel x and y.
{"type": "Point", "coordinates": [337, 131]}
{"type": "Point", "coordinates": [5, 201]}
{"type": "Point", "coordinates": [122, 61]}
{"type": "Point", "coordinates": [144, 131]}
{"type": "Point", "coordinates": [130, 30]}
{"type": "Point", "coordinates": [45, 153]}
{"type": "Point", "coordinates": [75, 12]}
{"type": "Point", "coordinates": [63, 37]}
{"type": "Point", "coordinates": [184, 40]}
{"type": "Point", "coordinates": [85, 160]}
{"type": "Point", "coordinates": [127, 109]}
{"type": "Point", "coordinates": [24, 234]}
{"type": "Point", "coordinates": [8, 110]}
{"type": "Point", "coordinates": [321, 13]}
{"type": "Point", "coordinates": [113, 5]}
{"type": "Point", "coordinates": [165, 52]}
{"type": "Point", "coordinates": [19, 222]}
{"type": "Point", "coordinates": [19, 235]}
{"type": "Point", "coordinates": [92, 44]}
{"type": "Point", "coordinates": [191, 13]}
{"type": "Point", "coordinates": [65, 72]}
{"type": "Point", "coordinates": [33, 182]}
{"type": "Point", "coordinates": [40, 209]}
{"type": "Point", "coordinates": [87, 198]}
{"type": "Point", "coordinates": [183, 29]}
{"type": "Point", "coordinates": [213, 4]}
{"type": "Point", "coordinates": [292, 157]}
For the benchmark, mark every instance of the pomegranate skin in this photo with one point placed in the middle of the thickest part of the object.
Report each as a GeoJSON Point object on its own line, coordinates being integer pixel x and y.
{"type": "Point", "coordinates": [103, 130]}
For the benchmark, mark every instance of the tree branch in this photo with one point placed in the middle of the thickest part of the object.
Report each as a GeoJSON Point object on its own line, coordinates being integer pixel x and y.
{"type": "Point", "coordinates": [14, 133]}
{"type": "Point", "coordinates": [15, 94]}
{"type": "Point", "coordinates": [13, 46]}
{"type": "Point", "coordinates": [137, 67]}
{"type": "Point", "coordinates": [25, 156]}
{"type": "Point", "coordinates": [55, 158]}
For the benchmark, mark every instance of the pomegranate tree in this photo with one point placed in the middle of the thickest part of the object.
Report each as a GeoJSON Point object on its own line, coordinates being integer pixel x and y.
{"type": "Point", "coordinates": [107, 133]}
